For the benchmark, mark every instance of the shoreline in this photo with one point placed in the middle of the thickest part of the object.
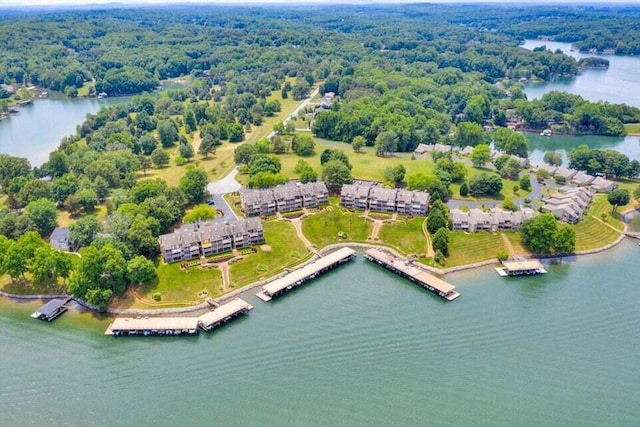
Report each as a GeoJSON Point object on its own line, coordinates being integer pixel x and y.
{"type": "Point", "coordinates": [205, 306]}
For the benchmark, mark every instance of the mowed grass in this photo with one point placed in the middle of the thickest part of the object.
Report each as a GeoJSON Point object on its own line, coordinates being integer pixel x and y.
{"type": "Point", "coordinates": [322, 228]}
{"type": "Point", "coordinates": [632, 128]}
{"type": "Point", "coordinates": [473, 247]}
{"type": "Point", "coordinates": [405, 235]}
{"type": "Point", "coordinates": [286, 250]}
{"type": "Point", "coordinates": [516, 242]}
{"type": "Point", "coordinates": [178, 286]}
{"type": "Point", "coordinates": [593, 234]}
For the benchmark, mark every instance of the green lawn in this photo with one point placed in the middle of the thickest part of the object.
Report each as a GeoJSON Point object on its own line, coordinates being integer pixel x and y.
{"type": "Point", "coordinates": [473, 247]}
{"type": "Point", "coordinates": [593, 234]}
{"type": "Point", "coordinates": [286, 250]}
{"type": "Point", "coordinates": [323, 227]}
{"type": "Point", "coordinates": [405, 235]}
{"type": "Point", "coordinates": [179, 286]}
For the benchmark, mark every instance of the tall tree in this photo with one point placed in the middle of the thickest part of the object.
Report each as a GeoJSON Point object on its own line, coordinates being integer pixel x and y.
{"type": "Point", "coordinates": [43, 214]}
{"type": "Point", "coordinates": [618, 197]}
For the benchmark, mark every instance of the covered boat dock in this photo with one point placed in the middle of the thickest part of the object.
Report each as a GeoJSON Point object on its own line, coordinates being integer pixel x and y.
{"type": "Point", "coordinates": [153, 326]}
{"type": "Point", "coordinates": [223, 314]}
{"type": "Point", "coordinates": [146, 326]}
{"type": "Point", "coordinates": [407, 269]}
{"type": "Point", "coordinates": [521, 268]}
{"type": "Point", "coordinates": [308, 272]}
{"type": "Point", "coordinates": [51, 310]}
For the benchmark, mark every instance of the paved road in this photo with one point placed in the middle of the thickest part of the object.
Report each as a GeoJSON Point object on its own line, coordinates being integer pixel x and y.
{"type": "Point", "coordinates": [297, 110]}
{"type": "Point", "coordinates": [218, 189]}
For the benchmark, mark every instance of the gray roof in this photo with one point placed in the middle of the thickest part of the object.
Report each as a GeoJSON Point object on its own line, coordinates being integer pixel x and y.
{"type": "Point", "coordinates": [51, 307]}
{"type": "Point", "coordinates": [59, 238]}
{"type": "Point", "coordinates": [385, 194]}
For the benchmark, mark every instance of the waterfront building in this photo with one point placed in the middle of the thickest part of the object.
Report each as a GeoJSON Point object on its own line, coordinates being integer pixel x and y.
{"type": "Point", "coordinates": [493, 220]}
{"type": "Point", "coordinates": [208, 238]}
{"type": "Point", "coordinates": [569, 203]}
{"type": "Point", "coordinates": [389, 200]}
{"type": "Point", "coordinates": [284, 198]}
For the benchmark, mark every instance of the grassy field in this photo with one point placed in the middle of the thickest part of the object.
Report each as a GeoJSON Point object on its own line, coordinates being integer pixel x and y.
{"type": "Point", "coordinates": [181, 286]}
{"type": "Point", "coordinates": [473, 247]}
{"type": "Point", "coordinates": [286, 250]}
{"type": "Point", "coordinates": [323, 227]}
{"type": "Point", "coordinates": [65, 219]}
{"type": "Point", "coordinates": [406, 236]}
{"type": "Point", "coordinates": [592, 233]}
{"type": "Point", "coordinates": [632, 128]}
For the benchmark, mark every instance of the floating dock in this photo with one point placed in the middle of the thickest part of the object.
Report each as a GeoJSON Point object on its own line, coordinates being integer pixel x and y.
{"type": "Point", "coordinates": [308, 272]}
{"type": "Point", "coordinates": [52, 309]}
{"type": "Point", "coordinates": [520, 268]}
{"type": "Point", "coordinates": [416, 274]}
{"type": "Point", "coordinates": [124, 326]}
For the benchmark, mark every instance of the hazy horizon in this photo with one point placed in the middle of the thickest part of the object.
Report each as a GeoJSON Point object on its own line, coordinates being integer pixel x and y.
{"type": "Point", "coordinates": [44, 3]}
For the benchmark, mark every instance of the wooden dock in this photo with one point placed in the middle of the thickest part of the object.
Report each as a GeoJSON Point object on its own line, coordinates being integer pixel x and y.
{"type": "Point", "coordinates": [521, 268]}
{"type": "Point", "coordinates": [407, 269]}
{"type": "Point", "coordinates": [306, 273]}
{"type": "Point", "coordinates": [146, 326]}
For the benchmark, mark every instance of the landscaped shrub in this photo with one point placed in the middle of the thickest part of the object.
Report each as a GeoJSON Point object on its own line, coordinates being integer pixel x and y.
{"type": "Point", "coordinates": [261, 268]}
{"type": "Point", "coordinates": [156, 296]}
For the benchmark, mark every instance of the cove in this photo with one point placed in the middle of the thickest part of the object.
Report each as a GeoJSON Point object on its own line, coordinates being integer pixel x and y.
{"type": "Point", "coordinates": [38, 128]}
{"type": "Point", "coordinates": [619, 84]}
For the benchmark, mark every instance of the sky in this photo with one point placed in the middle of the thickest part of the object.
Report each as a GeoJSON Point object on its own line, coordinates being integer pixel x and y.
{"type": "Point", "coordinates": [137, 2]}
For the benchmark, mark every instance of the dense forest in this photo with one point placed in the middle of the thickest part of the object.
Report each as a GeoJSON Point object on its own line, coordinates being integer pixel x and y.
{"type": "Point", "coordinates": [401, 76]}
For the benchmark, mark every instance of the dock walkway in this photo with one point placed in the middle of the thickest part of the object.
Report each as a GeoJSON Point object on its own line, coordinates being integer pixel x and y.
{"type": "Point", "coordinates": [308, 272]}
{"type": "Point", "coordinates": [407, 269]}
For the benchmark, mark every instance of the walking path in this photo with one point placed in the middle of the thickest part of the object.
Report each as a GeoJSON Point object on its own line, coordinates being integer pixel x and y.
{"type": "Point", "coordinates": [427, 235]}
{"type": "Point", "coordinates": [297, 224]}
{"type": "Point", "coordinates": [607, 224]}
{"type": "Point", "coordinates": [508, 245]}
{"type": "Point", "coordinates": [224, 269]}
{"type": "Point", "coordinates": [377, 225]}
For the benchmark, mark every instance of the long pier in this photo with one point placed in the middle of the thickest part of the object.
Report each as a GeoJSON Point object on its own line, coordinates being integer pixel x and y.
{"type": "Point", "coordinates": [412, 272]}
{"type": "Point", "coordinates": [124, 326]}
{"type": "Point", "coordinates": [306, 273]}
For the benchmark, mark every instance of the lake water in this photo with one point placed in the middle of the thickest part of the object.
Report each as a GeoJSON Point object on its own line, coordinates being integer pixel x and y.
{"type": "Point", "coordinates": [629, 145]}
{"type": "Point", "coordinates": [358, 346]}
{"type": "Point", "coordinates": [619, 84]}
{"type": "Point", "coordinates": [38, 128]}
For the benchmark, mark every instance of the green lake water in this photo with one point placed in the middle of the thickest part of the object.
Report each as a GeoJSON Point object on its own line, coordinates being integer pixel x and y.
{"type": "Point", "coordinates": [357, 346]}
